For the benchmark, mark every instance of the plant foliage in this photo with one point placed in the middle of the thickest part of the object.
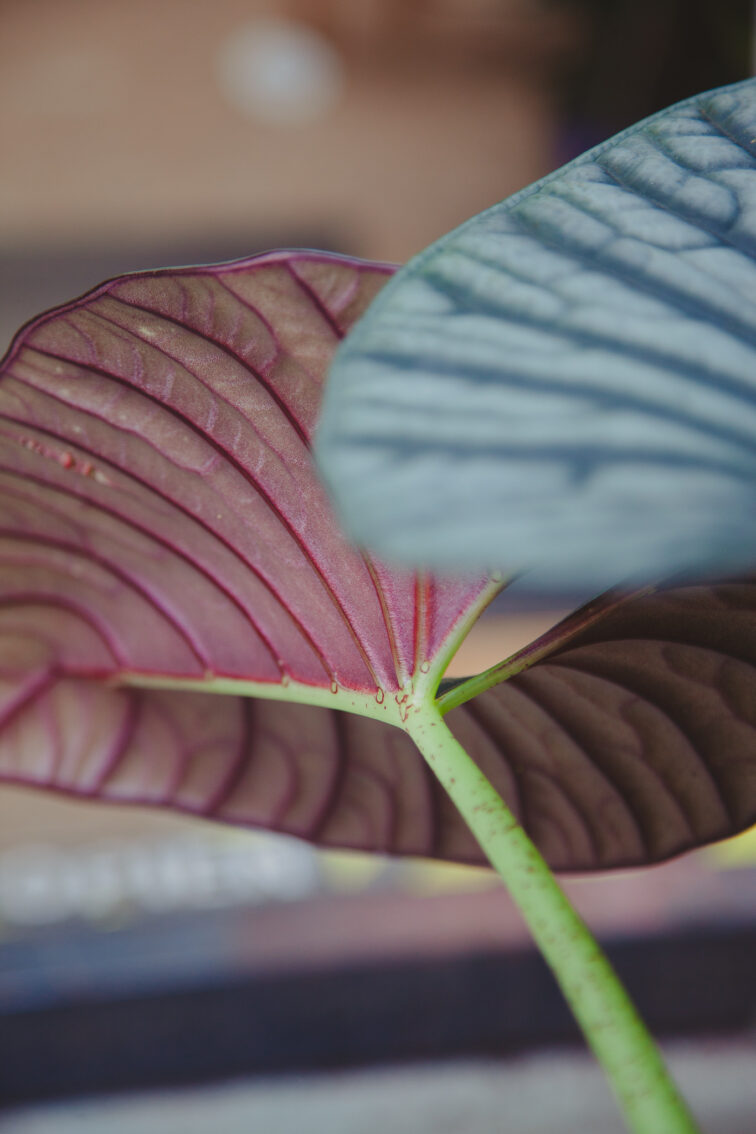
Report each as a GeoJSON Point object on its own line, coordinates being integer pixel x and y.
{"type": "Point", "coordinates": [167, 549]}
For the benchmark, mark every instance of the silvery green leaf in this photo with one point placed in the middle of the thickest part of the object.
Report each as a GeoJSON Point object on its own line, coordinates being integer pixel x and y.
{"type": "Point", "coordinates": [566, 385]}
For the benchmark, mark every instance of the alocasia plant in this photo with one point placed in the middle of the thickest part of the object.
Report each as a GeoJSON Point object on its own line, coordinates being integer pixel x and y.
{"type": "Point", "coordinates": [171, 571]}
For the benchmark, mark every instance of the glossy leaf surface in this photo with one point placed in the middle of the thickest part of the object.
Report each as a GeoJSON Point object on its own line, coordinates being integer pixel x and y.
{"type": "Point", "coordinates": [566, 384]}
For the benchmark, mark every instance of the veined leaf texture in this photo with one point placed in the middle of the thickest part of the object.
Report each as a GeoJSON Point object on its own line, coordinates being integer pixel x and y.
{"type": "Point", "coordinates": [565, 386]}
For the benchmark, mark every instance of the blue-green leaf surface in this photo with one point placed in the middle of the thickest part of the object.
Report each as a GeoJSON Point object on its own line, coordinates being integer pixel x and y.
{"type": "Point", "coordinates": [566, 385]}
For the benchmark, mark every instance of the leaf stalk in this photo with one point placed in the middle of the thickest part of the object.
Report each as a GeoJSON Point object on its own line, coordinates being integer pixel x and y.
{"type": "Point", "coordinates": [610, 1023]}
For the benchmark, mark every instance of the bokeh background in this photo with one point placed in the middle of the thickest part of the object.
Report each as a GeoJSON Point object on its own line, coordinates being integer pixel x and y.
{"type": "Point", "coordinates": [139, 950]}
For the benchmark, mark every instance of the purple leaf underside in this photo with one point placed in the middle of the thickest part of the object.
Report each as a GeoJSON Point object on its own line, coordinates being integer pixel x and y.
{"type": "Point", "coordinates": [633, 742]}
{"type": "Point", "coordinates": [157, 486]}
{"type": "Point", "coordinates": [160, 516]}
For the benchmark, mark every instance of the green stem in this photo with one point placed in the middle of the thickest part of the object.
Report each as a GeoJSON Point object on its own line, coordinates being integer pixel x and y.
{"type": "Point", "coordinates": [557, 637]}
{"type": "Point", "coordinates": [630, 1059]}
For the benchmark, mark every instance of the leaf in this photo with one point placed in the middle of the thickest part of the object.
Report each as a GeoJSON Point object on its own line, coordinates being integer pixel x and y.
{"type": "Point", "coordinates": [634, 737]}
{"type": "Point", "coordinates": [161, 524]}
{"type": "Point", "coordinates": [565, 385]}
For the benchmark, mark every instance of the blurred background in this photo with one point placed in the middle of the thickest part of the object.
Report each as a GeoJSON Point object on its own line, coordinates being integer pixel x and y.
{"type": "Point", "coordinates": [143, 951]}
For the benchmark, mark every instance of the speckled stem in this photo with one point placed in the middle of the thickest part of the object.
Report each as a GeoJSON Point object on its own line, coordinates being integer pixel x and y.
{"type": "Point", "coordinates": [630, 1059]}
